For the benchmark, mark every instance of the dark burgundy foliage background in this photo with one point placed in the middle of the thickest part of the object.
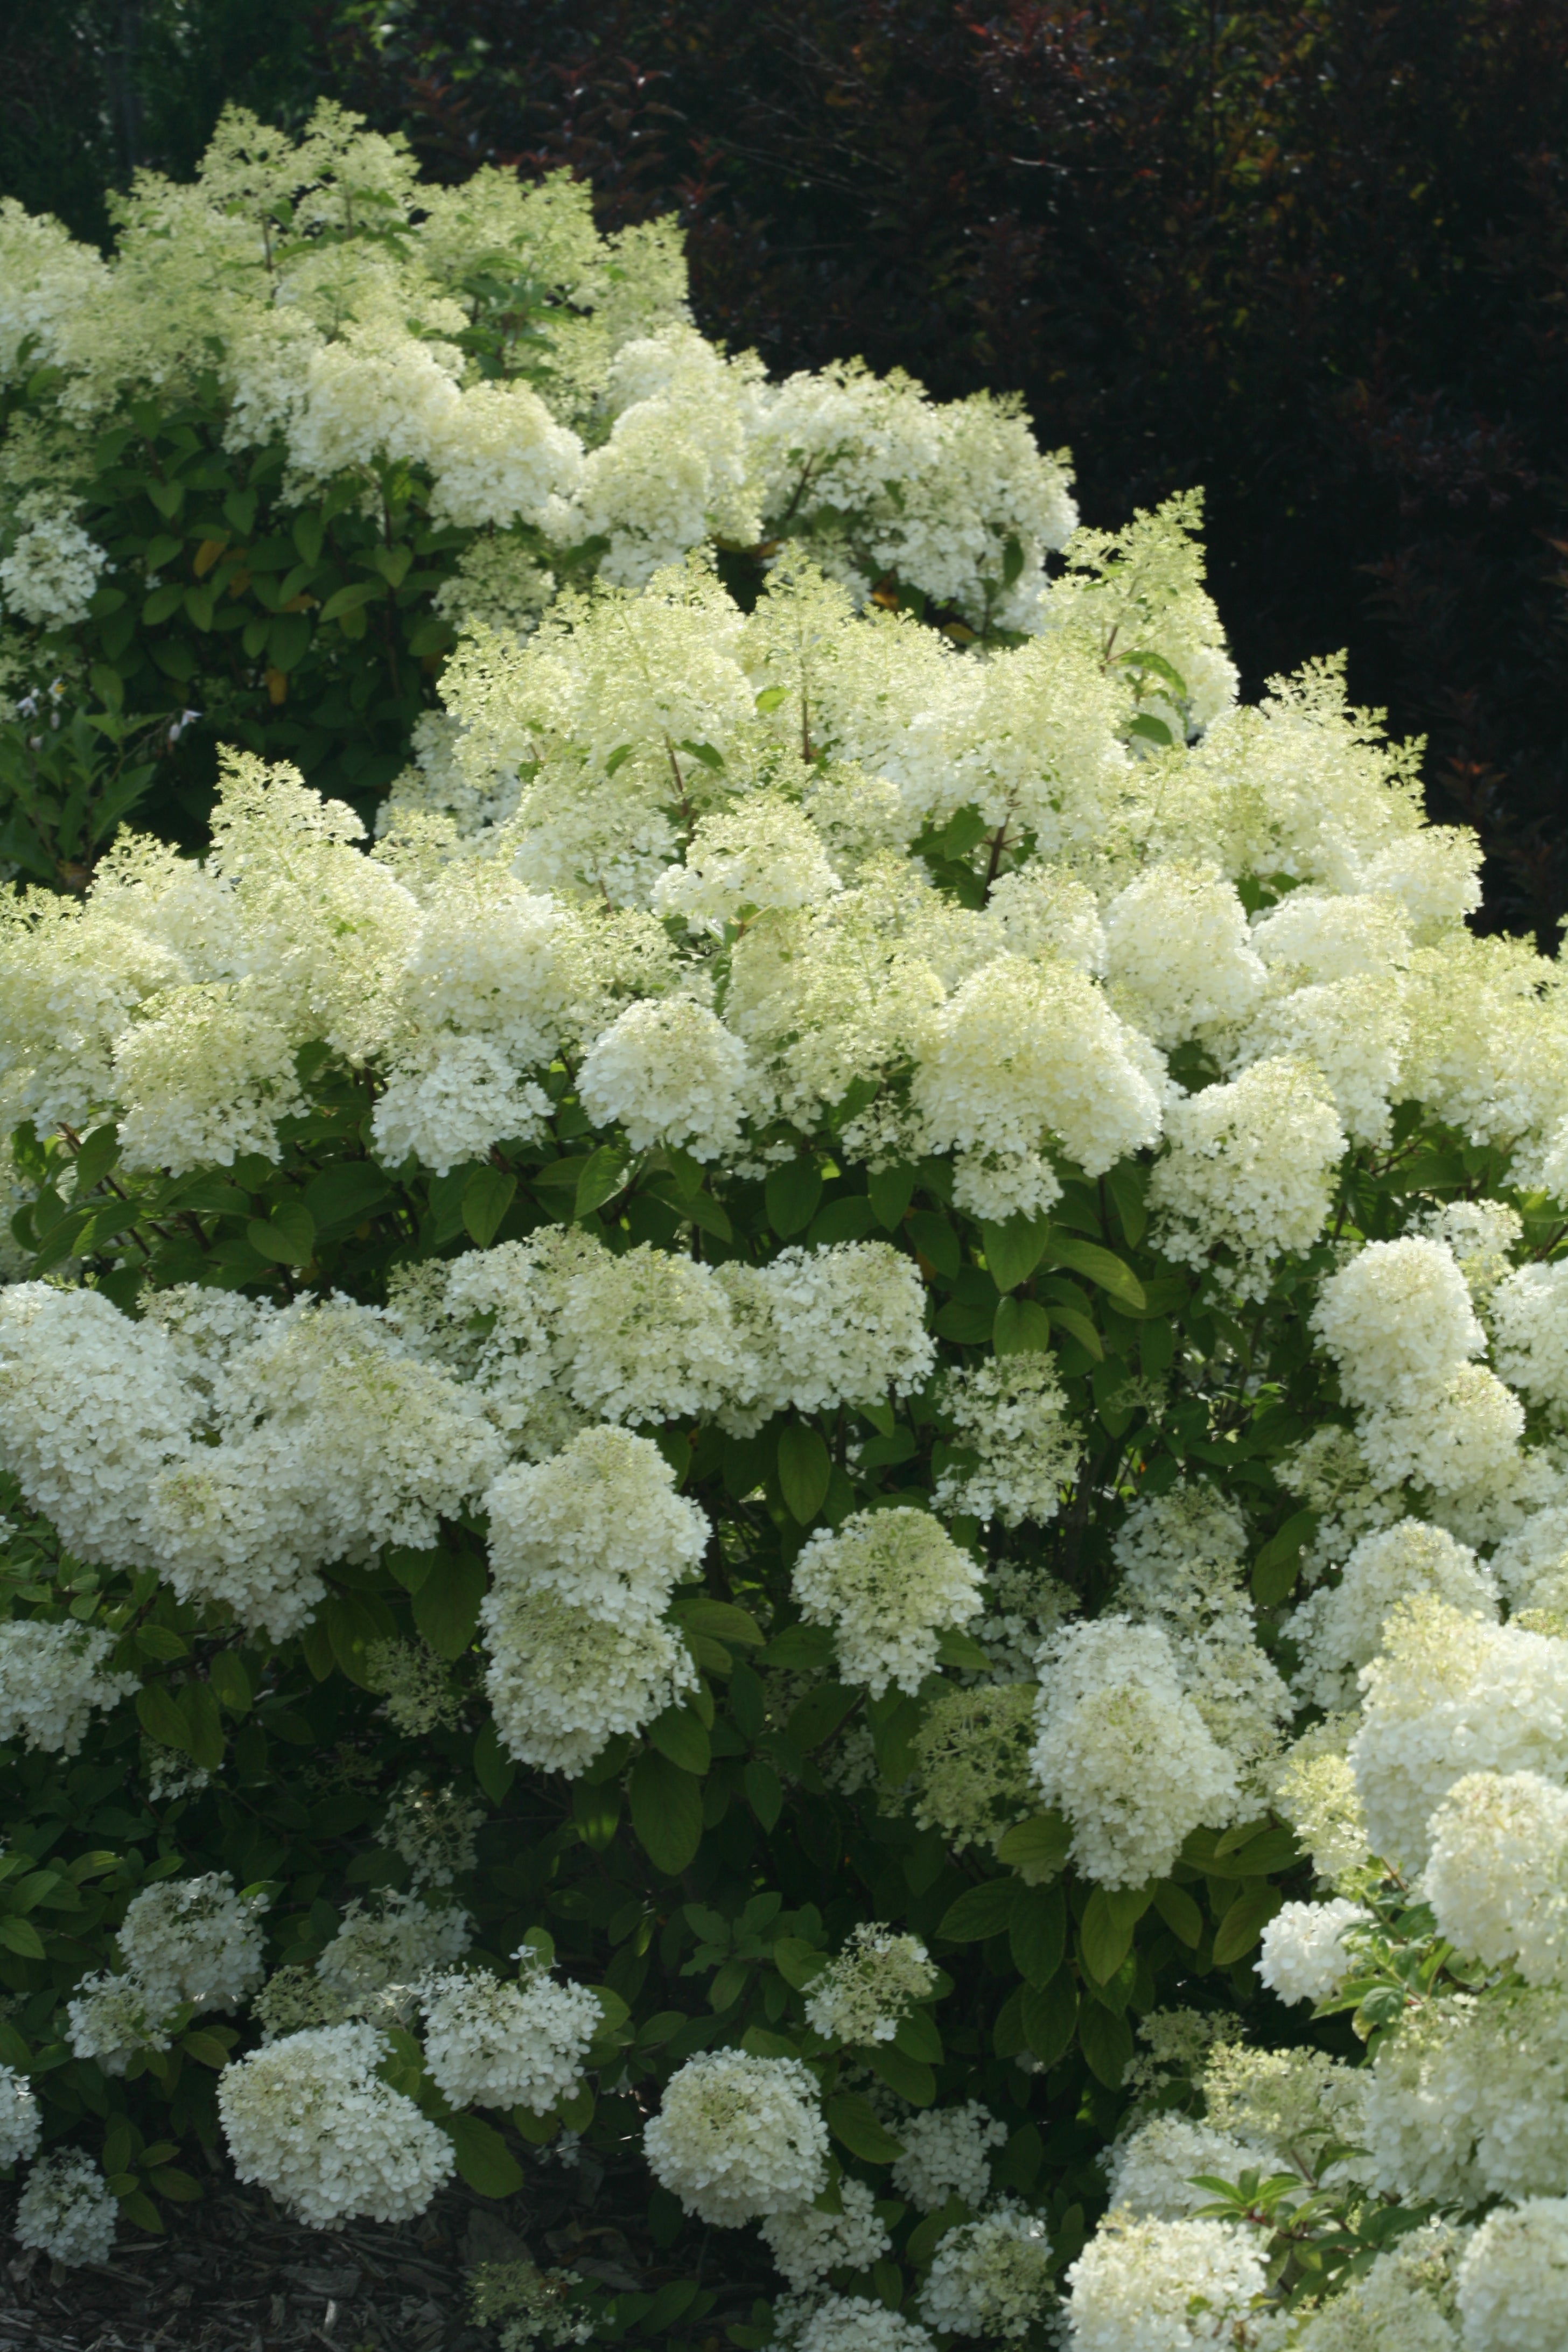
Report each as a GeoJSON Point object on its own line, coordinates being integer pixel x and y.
{"type": "Point", "coordinates": [1312, 256]}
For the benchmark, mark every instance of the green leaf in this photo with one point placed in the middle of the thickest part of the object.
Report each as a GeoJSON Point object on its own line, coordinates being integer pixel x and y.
{"type": "Point", "coordinates": [205, 2048]}
{"type": "Point", "coordinates": [346, 1192]}
{"type": "Point", "coordinates": [349, 600]}
{"type": "Point", "coordinates": [852, 2119]}
{"type": "Point", "coordinates": [765, 1791]}
{"type": "Point", "coordinates": [494, 1769]}
{"type": "Point", "coordinates": [1020, 1327]}
{"type": "Point", "coordinates": [957, 1648]}
{"type": "Point", "coordinates": [1015, 1249]}
{"type": "Point", "coordinates": [487, 1196]}
{"type": "Point", "coordinates": [1110, 1921]}
{"type": "Point", "coordinates": [483, 2158]}
{"type": "Point", "coordinates": [96, 1158]}
{"type": "Point", "coordinates": [1050, 2015]}
{"type": "Point", "coordinates": [1243, 1923]}
{"type": "Point", "coordinates": [602, 1177]}
{"type": "Point", "coordinates": [818, 1714]}
{"type": "Point", "coordinates": [980, 1912]}
{"type": "Point", "coordinates": [1037, 1930]}
{"type": "Point", "coordinates": [447, 1605]}
{"type": "Point", "coordinates": [1077, 1325]}
{"type": "Point", "coordinates": [160, 1720]}
{"type": "Point", "coordinates": [19, 1936]}
{"type": "Point", "coordinates": [231, 1684]}
{"type": "Point", "coordinates": [890, 1191]}
{"type": "Point", "coordinates": [677, 1734]}
{"type": "Point", "coordinates": [140, 2209]}
{"type": "Point", "coordinates": [1105, 2040]}
{"type": "Point", "coordinates": [798, 1962]}
{"type": "Point", "coordinates": [287, 1236]}
{"type": "Point", "coordinates": [177, 2188]}
{"type": "Point", "coordinates": [667, 1812]}
{"type": "Point", "coordinates": [968, 1326]}
{"type": "Point", "coordinates": [722, 1621]}
{"type": "Point", "coordinates": [792, 1194]}
{"type": "Point", "coordinates": [353, 1624]}
{"type": "Point", "coordinates": [910, 2077]}
{"type": "Point", "coordinates": [1277, 1565]}
{"type": "Point", "coordinates": [1039, 1845]}
{"type": "Point", "coordinates": [198, 1704]}
{"type": "Point", "coordinates": [1180, 1912]}
{"type": "Point", "coordinates": [1098, 1265]}
{"type": "Point", "coordinates": [799, 1649]}
{"type": "Point", "coordinates": [805, 1468]}
{"type": "Point", "coordinates": [1147, 729]}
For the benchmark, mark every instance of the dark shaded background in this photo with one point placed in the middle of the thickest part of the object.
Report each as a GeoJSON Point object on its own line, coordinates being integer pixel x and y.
{"type": "Point", "coordinates": [1312, 256]}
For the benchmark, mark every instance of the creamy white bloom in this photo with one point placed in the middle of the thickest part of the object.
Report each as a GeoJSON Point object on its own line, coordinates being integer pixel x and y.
{"type": "Point", "coordinates": [388, 1946]}
{"type": "Point", "coordinates": [53, 569]}
{"type": "Point", "coordinates": [21, 2126]}
{"type": "Point", "coordinates": [1178, 955]}
{"type": "Point", "coordinates": [111, 2019]}
{"type": "Point", "coordinates": [563, 1681]}
{"type": "Point", "coordinates": [53, 1679]}
{"type": "Point", "coordinates": [947, 2153]}
{"type": "Point", "coordinates": [848, 2323]}
{"type": "Point", "coordinates": [762, 852]}
{"type": "Point", "coordinates": [1513, 2279]}
{"type": "Point", "coordinates": [1304, 1954]}
{"type": "Point", "coordinates": [1122, 1750]}
{"type": "Point", "coordinates": [600, 1525]}
{"type": "Point", "coordinates": [308, 2118]}
{"type": "Point", "coordinates": [863, 1993]}
{"type": "Point", "coordinates": [842, 1325]}
{"type": "Point", "coordinates": [1152, 2172]}
{"type": "Point", "coordinates": [1497, 1876]}
{"type": "Point", "coordinates": [1406, 2302]}
{"type": "Point", "coordinates": [196, 1940]}
{"type": "Point", "coordinates": [1162, 2286]}
{"type": "Point", "coordinates": [497, 2045]}
{"type": "Point", "coordinates": [806, 2244]}
{"type": "Point", "coordinates": [67, 2210]}
{"type": "Point", "coordinates": [888, 1582]}
{"type": "Point", "coordinates": [452, 1101]}
{"type": "Point", "coordinates": [1249, 1169]}
{"type": "Point", "coordinates": [991, 2277]}
{"type": "Point", "coordinates": [1339, 1628]}
{"type": "Point", "coordinates": [738, 2137]}
{"type": "Point", "coordinates": [1012, 1413]}
{"type": "Point", "coordinates": [669, 1073]}
{"type": "Point", "coordinates": [1399, 1323]}
{"type": "Point", "coordinates": [1529, 1316]}
{"type": "Point", "coordinates": [1449, 1696]}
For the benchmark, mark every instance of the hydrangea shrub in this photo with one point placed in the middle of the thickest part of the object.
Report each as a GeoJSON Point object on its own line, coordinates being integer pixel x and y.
{"type": "Point", "coordinates": [809, 1451]}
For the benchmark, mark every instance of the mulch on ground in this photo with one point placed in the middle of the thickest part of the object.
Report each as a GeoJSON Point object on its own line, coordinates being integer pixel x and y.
{"type": "Point", "coordinates": [235, 2275]}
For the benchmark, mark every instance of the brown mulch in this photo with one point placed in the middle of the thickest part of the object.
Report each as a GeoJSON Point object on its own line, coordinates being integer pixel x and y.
{"type": "Point", "coordinates": [235, 2275]}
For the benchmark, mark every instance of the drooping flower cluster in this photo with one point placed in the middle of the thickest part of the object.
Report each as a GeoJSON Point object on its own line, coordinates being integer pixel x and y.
{"type": "Point", "coordinates": [308, 2118]}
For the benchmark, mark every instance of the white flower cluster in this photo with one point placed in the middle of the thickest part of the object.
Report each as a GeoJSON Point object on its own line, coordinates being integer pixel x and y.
{"type": "Point", "coordinates": [849, 2322]}
{"type": "Point", "coordinates": [888, 1582]}
{"type": "Point", "coordinates": [21, 2127]}
{"type": "Point", "coordinates": [53, 1678]}
{"type": "Point", "coordinates": [65, 2210]}
{"type": "Point", "coordinates": [1123, 1752]}
{"type": "Point", "coordinates": [190, 1943]}
{"type": "Point", "coordinates": [992, 2277]}
{"type": "Point", "coordinates": [1304, 1954]}
{"type": "Point", "coordinates": [1152, 2172]}
{"type": "Point", "coordinates": [383, 1951]}
{"type": "Point", "coordinates": [806, 2242]}
{"type": "Point", "coordinates": [863, 1993]}
{"type": "Point", "coordinates": [496, 2044]}
{"type": "Point", "coordinates": [738, 2138]}
{"type": "Point", "coordinates": [1012, 1413]}
{"type": "Point", "coordinates": [947, 2153]}
{"type": "Point", "coordinates": [1339, 1629]}
{"type": "Point", "coordinates": [309, 2120]}
{"type": "Point", "coordinates": [1163, 2287]}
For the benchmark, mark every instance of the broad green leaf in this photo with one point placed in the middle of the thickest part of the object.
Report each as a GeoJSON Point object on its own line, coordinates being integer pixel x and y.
{"type": "Point", "coordinates": [1105, 2040]}
{"type": "Point", "coordinates": [342, 1194]}
{"type": "Point", "coordinates": [853, 2119]}
{"type": "Point", "coordinates": [722, 1621]}
{"type": "Point", "coordinates": [1037, 1846]}
{"type": "Point", "coordinates": [798, 1962]}
{"type": "Point", "coordinates": [890, 1191]}
{"type": "Point", "coordinates": [494, 1769]}
{"type": "Point", "coordinates": [1037, 1930]}
{"type": "Point", "coordinates": [765, 1791]}
{"type": "Point", "coordinates": [205, 2048]}
{"type": "Point", "coordinates": [677, 1734]}
{"type": "Point", "coordinates": [792, 1194]}
{"type": "Point", "coordinates": [231, 1684]}
{"type": "Point", "coordinates": [1180, 1912]}
{"type": "Point", "coordinates": [910, 2077]}
{"type": "Point", "coordinates": [96, 1158]}
{"type": "Point", "coordinates": [957, 1648]}
{"type": "Point", "coordinates": [487, 1196]}
{"type": "Point", "coordinates": [1100, 1266]}
{"type": "Point", "coordinates": [604, 1175]}
{"type": "Point", "coordinates": [1015, 1249]}
{"type": "Point", "coordinates": [160, 1720]}
{"type": "Point", "coordinates": [20, 1935]}
{"type": "Point", "coordinates": [818, 1714]}
{"type": "Point", "coordinates": [1277, 1565]}
{"type": "Point", "coordinates": [483, 2159]}
{"type": "Point", "coordinates": [1110, 1921]}
{"type": "Point", "coordinates": [805, 1469]}
{"type": "Point", "coordinates": [667, 1812]}
{"type": "Point", "coordinates": [1020, 1327]}
{"type": "Point", "coordinates": [447, 1605]}
{"type": "Point", "coordinates": [287, 1236]}
{"type": "Point", "coordinates": [1050, 2014]}
{"type": "Point", "coordinates": [198, 1704]}
{"type": "Point", "coordinates": [980, 1912]}
{"type": "Point", "coordinates": [1078, 1325]}
{"type": "Point", "coordinates": [1243, 1923]}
